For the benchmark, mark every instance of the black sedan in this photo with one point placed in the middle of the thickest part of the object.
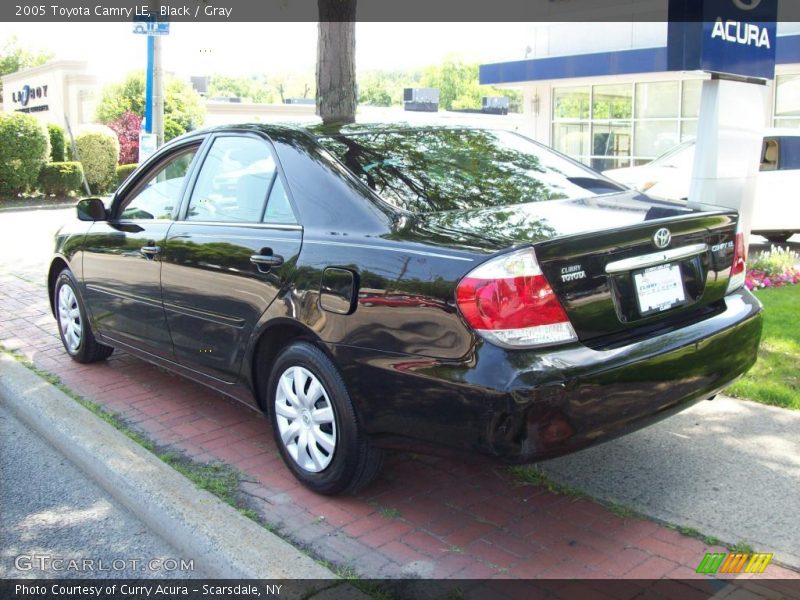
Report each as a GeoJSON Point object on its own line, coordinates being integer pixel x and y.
{"type": "Point", "coordinates": [414, 288]}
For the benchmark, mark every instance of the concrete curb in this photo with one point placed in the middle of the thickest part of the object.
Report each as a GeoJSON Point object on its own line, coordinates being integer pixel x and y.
{"type": "Point", "coordinates": [224, 543]}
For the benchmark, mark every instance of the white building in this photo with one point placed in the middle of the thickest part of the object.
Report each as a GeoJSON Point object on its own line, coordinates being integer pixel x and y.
{"type": "Point", "coordinates": [601, 92]}
{"type": "Point", "coordinates": [52, 91]}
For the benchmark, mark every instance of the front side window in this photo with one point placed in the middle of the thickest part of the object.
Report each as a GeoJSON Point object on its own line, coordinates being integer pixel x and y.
{"type": "Point", "coordinates": [161, 193]}
{"type": "Point", "coordinates": [236, 176]}
{"type": "Point", "coordinates": [789, 153]}
{"type": "Point", "coordinates": [433, 170]}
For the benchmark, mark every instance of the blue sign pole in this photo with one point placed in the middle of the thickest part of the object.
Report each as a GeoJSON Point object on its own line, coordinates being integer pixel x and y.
{"type": "Point", "coordinates": [148, 100]}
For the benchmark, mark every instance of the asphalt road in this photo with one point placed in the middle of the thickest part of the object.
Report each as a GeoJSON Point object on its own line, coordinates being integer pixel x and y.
{"type": "Point", "coordinates": [51, 513]}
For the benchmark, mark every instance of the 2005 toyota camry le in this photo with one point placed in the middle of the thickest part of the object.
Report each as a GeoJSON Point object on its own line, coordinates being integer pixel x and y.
{"type": "Point", "coordinates": [375, 287]}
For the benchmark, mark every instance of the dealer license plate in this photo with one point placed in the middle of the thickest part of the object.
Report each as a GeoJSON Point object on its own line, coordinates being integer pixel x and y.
{"type": "Point", "coordinates": [659, 288]}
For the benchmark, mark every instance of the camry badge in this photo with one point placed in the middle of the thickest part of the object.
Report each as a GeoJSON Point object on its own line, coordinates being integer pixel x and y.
{"type": "Point", "coordinates": [662, 238]}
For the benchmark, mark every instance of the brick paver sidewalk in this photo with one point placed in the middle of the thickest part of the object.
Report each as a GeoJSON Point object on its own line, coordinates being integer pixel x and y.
{"type": "Point", "coordinates": [425, 516]}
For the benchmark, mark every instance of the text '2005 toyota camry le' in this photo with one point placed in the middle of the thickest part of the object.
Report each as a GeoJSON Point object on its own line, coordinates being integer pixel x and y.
{"type": "Point", "coordinates": [375, 287]}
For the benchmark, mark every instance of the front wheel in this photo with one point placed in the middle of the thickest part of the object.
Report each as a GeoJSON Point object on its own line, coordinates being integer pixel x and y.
{"type": "Point", "coordinates": [315, 425]}
{"type": "Point", "coordinates": [73, 326]}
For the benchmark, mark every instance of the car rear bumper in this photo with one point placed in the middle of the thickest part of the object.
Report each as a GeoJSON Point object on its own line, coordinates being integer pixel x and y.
{"type": "Point", "coordinates": [523, 406]}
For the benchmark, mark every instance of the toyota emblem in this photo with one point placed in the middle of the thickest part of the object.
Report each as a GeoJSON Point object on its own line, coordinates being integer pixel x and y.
{"type": "Point", "coordinates": [662, 238]}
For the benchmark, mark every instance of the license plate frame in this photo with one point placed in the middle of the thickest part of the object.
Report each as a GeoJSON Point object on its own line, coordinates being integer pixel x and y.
{"type": "Point", "coordinates": [666, 289]}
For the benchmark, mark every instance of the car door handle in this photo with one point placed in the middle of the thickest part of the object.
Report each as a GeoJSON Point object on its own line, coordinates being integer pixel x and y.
{"type": "Point", "coordinates": [266, 260]}
{"type": "Point", "coordinates": [150, 251]}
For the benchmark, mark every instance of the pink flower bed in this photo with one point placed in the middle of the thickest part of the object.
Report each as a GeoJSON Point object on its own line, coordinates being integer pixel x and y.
{"type": "Point", "coordinates": [760, 280]}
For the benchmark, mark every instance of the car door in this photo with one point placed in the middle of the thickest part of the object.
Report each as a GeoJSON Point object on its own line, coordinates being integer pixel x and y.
{"type": "Point", "coordinates": [229, 255]}
{"type": "Point", "coordinates": [123, 257]}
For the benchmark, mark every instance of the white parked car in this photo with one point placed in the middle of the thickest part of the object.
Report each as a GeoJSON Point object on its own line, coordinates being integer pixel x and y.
{"type": "Point", "coordinates": [776, 213]}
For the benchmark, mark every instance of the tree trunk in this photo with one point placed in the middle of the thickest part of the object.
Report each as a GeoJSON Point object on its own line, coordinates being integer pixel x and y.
{"type": "Point", "coordinates": [336, 61]}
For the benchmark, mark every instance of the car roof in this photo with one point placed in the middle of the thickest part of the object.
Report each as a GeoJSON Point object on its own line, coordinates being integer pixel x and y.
{"type": "Point", "coordinates": [320, 130]}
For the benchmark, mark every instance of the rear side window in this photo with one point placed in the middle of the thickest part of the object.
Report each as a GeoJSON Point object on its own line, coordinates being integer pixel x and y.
{"type": "Point", "coordinates": [789, 153]}
{"type": "Point", "coordinates": [432, 170]}
{"type": "Point", "coordinates": [236, 176]}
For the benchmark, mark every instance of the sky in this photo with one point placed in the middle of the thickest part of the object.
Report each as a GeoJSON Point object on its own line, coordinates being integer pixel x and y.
{"type": "Point", "coordinates": [241, 49]}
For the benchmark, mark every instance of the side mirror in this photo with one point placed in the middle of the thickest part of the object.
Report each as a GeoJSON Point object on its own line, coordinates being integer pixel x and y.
{"type": "Point", "coordinates": [91, 209]}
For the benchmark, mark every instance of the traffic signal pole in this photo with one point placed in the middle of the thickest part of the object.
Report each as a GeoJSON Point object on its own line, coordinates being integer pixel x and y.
{"type": "Point", "coordinates": [158, 91]}
{"type": "Point", "coordinates": [148, 96]}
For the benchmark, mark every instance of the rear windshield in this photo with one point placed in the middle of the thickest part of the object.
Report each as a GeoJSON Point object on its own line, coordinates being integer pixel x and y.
{"type": "Point", "coordinates": [433, 170]}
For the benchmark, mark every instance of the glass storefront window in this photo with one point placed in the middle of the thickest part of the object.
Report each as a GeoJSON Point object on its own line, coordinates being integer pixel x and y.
{"type": "Point", "coordinates": [612, 140]}
{"type": "Point", "coordinates": [690, 106]}
{"type": "Point", "coordinates": [609, 125]}
{"type": "Point", "coordinates": [688, 129]}
{"type": "Point", "coordinates": [612, 102]}
{"type": "Point", "coordinates": [653, 138]}
{"type": "Point", "coordinates": [789, 123]}
{"type": "Point", "coordinates": [787, 96]}
{"type": "Point", "coordinates": [571, 139]}
{"type": "Point", "coordinates": [657, 100]}
{"type": "Point", "coordinates": [571, 103]}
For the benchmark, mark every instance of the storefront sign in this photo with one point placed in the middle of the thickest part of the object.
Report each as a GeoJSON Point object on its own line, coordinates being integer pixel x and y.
{"type": "Point", "coordinates": [27, 98]}
{"type": "Point", "coordinates": [727, 37]}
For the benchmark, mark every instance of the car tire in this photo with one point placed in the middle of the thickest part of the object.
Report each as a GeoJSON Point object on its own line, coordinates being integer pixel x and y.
{"type": "Point", "coordinates": [315, 425]}
{"type": "Point", "coordinates": [73, 325]}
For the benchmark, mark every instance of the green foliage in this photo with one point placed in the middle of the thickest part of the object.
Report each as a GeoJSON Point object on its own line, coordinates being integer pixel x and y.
{"type": "Point", "coordinates": [774, 262]}
{"type": "Point", "coordinates": [385, 88]}
{"type": "Point", "coordinates": [13, 58]}
{"type": "Point", "coordinates": [60, 178]}
{"type": "Point", "coordinates": [181, 103]}
{"type": "Point", "coordinates": [172, 129]}
{"type": "Point", "coordinates": [57, 144]}
{"type": "Point", "coordinates": [24, 148]}
{"type": "Point", "coordinates": [98, 149]}
{"type": "Point", "coordinates": [252, 89]}
{"type": "Point", "coordinates": [459, 86]}
{"type": "Point", "coordinates": [123, 171]}
{"type": "Point", "coordinates": [119, 98]}
{"type": "Point", "coordinates": [457, 83]}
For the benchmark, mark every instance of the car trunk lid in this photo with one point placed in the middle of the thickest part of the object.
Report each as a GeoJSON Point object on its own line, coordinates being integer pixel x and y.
{"type": "Point", "coordinates": [604, 258]}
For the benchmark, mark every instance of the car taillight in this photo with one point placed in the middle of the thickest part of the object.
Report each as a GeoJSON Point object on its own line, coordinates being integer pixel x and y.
{"type": "Point", "coordinates": [508, 301]}
{"type": "Point", "coordinates": [739, 268]}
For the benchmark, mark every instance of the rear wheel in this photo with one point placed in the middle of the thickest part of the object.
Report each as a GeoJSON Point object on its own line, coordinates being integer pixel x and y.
{"type": "Point", "coordinates": [73, 326]}
{"type": "Point", "coordinates": [315, 425]}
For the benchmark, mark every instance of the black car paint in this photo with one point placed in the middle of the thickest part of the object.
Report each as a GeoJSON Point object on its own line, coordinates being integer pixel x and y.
{"type": "Point", "coordinates": [417, 374]}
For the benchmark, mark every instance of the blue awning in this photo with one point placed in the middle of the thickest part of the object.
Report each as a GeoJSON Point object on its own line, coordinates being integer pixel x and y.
{"type": "Point", "coordinates": [623, 62]}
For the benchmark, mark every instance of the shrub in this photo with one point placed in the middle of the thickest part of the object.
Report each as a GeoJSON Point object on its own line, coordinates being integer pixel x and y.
{"type": "Point", "coordinates": [123, 171]}
{"type": "Point", "coordinates": [98, 150]}
{"type": "Point", "coordinates": [24, 148]}
{"type": "Point", "coordinates": [61, 178]}
{"type": "Point", "coordinates": [172, 129]}
{"type": "Point", "coordinates": [775, 268]}
{"type": "Point", "coordinates": [127, 128]}
{"type": "Point", "coordinates": [57, 143]}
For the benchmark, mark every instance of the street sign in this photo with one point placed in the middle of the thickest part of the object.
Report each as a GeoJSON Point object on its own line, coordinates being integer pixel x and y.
{"type": "Point", "coordinates": [147, 27]}
{"type": "Point", "coordinates": [148, 144]}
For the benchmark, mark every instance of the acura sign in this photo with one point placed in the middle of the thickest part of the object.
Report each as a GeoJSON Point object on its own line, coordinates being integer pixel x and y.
{"type": "Point", "coordinates": [727, 37]}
